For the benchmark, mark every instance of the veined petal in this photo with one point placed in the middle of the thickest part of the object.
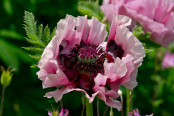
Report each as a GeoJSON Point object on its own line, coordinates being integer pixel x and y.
{"type": "Point", "coordinates": [130, 44]}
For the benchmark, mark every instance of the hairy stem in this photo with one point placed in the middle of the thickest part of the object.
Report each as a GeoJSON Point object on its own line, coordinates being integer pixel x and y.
{"type": "Point", "coordinates": [130, 101]}
{"type": "Point", "coordinates": [98, 112]}
{"type": "Point", "coordinates": [127, 101]}
{"type": "Point", "coordinates": [83, 103]}
{"type": "Point", "coordinates": [105, 111]}
{"type": "Point", "coordinates": [2, 100]}
{"type": "Point", "coordinates": [122, 105]}
{"type": "Point", "coordinates": [111, 112]}
{"type": "Point", "coordinates": [89, 108]}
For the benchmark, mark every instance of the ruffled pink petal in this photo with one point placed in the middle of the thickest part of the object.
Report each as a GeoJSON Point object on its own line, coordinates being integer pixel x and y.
{"type": "Point", "coordinates": [90, 31]}
{"type": "Point", "coordinates": [66, 33]}
{"type": "Point", "coordinates": [109, 10]}
{"type": "Point", "coordinates": [105, 94]}
{"type": "Point", "coordinates": [130, 44]}
{"type": "Point", "coordinates": [97, 33]}
{"type": "Point", "coordinates": [118, 20]}
{"type": "Point", "coordinates": [58, 94]}
{"type": "Point", "coordinates": [115, 70]}
{"type": "Point", "coordinates": [132, 83]}
{"type": "Point", "coordinates": [82, 28]}
{"type": "Point", "coordinates": [109, 101]}
{"type": "Point", "coordinates": [73, 30]}
{"type": "Point", "coordinates": [163, 36]}
{"type": "Point", "coordinates": [50, 52]}
{"type": "Point", "coordinates": [168, 60]}
{"type": "Point", "coordinates": [49, 68]}
{"type": "Point", "coordinates": [131, 73]}
{"type": "Point", "coordinates": [63, 112]}
{"type": "Point", "coordinates": [100, 82]}
{"type": "Point", "coordinates": [115, 80]}
{"type": "Point", "coordinates": [55, 80]}
{"type": "Point", "coordinates": [52, 76]}
{"type": "Point", "coordinates": [156, 16]}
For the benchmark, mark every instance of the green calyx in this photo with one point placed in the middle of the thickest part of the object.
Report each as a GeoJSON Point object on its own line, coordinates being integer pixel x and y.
{"type": "Point", "coordinates": [6, 76]}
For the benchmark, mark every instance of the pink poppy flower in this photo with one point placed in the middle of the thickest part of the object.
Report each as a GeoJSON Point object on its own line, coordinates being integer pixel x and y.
{"type": "Point", "coordinates": [156, 16]}
{"type": "Point", "coordinates": [136, 113]}
{"type": "Point", "coordinates": [168, 60]}
{"type": "Point", "coordinates": [78, 59]}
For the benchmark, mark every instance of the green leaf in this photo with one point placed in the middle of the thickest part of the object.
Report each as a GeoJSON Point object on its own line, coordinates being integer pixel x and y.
{"type": "Point", "coordinates": [156, 103]}
{"type": "Point", "coordinates": [46, 35]}
{"type": "Point", "coordinates": [170, 79]}
{"type": "Point", "coordinates": [34, 66]}
{"type": "Point", "coordinates": [8, 7]}
{"type": "Point", "coordinates": [40, 31]}
{"type": "Point", "coordinates": [10, 34]}
{"type": "Point", "coordinates": [36, 43]}
{"type": "Point", "coordinates": [12, 55]}
{"type": "Point", "coordinates": [37, 57]}
{"type": "Point", "coordinates": [38, 37]}
{"type": "Point", "coordinates": [90, 8]}
{"type": "Point", "coordinates": [148, 50]}
{"type": "Point", "coordinates": [32, 37]}
{"type": "Point", "coordinates": [30, 24]}
{"type": "Point", "coordinates": [34, 49]}
{"type": "Point", "coordinates": [8, 57]}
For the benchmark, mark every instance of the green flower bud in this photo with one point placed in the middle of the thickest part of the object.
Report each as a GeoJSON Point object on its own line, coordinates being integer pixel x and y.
{"type": "Point", "coordinates": [6, 76]}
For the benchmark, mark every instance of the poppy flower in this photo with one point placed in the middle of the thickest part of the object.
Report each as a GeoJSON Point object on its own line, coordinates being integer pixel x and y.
{"type": "Point", "coordinates": [78, 59]}
{"type": "Point", "coordinates": [156, 16]}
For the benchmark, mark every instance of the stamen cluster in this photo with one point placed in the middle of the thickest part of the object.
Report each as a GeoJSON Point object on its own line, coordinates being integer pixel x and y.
{"type": "Point", "coordinates": [87, 58]}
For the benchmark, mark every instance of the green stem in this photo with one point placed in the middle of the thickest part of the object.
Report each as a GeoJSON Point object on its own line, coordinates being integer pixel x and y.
{"type": "Point", "coordinates": [130, 101]}
{"type": "Point", "coordinates": [98, 111]}
{"type": "Point", "coordinates": [2, 100]}
{"type": "Point", "coordinates": [127, 101]}
{"type": "Point", "coordinates": [89, 108]}
{"type": "Point", "coordinates": [111, 112]}
{"type": "Point", "coordinates": [83, 103]}
{"type": "Point", "coordinates": [105, 111]}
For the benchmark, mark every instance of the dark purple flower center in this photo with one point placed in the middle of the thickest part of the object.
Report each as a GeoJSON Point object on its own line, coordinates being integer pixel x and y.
{"type": "Point", "coordinates": [87, 58]}
{"type": "Point", "coordinates": [85, 61]}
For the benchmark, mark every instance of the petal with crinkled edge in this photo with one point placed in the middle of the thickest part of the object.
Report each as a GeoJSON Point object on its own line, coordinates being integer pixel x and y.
{"type": "Point", "coordinates": [126, 66]}
{"type": "Point", "coordinates": [159, 32]}
{"type": "Point", "coordinates": [90, 31]}
{"type": "Point", "coordinates": [50, 52]}
{"type": "Point", "coordinates": [130, 44]}
{"type": "Point", "coordinates": [109, 101]}
{"type": "Point", "coordinates": [97, 32]}
{"type": "Point", "coordinates": [156, 16]}
{"type": "Point", "coordinates": [132, 73]}
{"type": "Point", "coordinates": [115, 70]}
{"type": "Point", "coordinates": [49, 67]}
{"type": "Point", "coordinates": [66, 33]}
{"type": "Point", "coordinates": [118, 20]}
{"type": "Point", "coordinates": [104, 94]}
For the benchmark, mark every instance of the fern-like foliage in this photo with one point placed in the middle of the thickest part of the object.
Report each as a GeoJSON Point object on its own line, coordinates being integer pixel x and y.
{"type": "Point", "coordinates": [38, 37]}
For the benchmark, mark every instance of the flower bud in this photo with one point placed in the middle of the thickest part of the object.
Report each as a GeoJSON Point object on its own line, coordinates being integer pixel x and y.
{"type": "Point", "coordinates": [120, 92]}
{"type": "Point", "coordinates": [6, 76]}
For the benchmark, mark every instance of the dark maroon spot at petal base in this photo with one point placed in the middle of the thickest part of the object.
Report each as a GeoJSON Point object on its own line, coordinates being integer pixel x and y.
{"type": "Point", "coordinates": [115, 49]}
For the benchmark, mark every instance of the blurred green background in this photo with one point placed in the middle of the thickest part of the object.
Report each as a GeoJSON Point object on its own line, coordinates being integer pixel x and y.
{"type": "Point", "coordinates": [25, 96]}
